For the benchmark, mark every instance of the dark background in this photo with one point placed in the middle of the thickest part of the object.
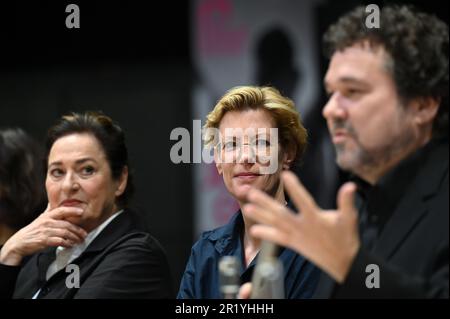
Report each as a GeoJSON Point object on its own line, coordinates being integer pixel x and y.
{"type": "Point", "coordinates": [130, 59]}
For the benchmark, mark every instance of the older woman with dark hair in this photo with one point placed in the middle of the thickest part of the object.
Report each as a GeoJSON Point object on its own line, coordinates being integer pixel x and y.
{"type": "Point", "coordinates": [87, 243]}
{"type": "Point", "coordinates": [21, 181]}
{"type": "Point", "coordinates": [256, 134]}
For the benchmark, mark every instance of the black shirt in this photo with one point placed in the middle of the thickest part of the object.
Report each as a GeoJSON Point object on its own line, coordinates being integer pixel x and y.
{"type": "Point", "coordinates": [376, 203]}
{"type": "Point", "coordinates": [403, 224]}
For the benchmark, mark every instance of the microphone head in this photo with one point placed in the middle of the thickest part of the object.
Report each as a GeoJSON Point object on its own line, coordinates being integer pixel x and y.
{"type": "Point", "coordinates": [229, 276]}
{"type": "Point", "coordinates": [268, 276]}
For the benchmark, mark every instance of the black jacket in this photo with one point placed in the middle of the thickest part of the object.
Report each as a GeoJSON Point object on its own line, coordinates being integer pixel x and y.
{"type": "Point", "coordinates": [124, 261]}
{"type": "Point", "coordinates": [412, 249]}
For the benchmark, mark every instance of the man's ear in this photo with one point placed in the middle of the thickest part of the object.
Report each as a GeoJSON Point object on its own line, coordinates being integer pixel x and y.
{"type": "Point", "coordinates": [122, 182]}
{"type": "Point", "coordinates": [425, 110]}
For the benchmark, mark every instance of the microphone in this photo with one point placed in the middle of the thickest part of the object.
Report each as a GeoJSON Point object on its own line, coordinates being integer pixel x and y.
{"type": "Point", "coordinates": [268, 276]}
{"type": "Point", "coordinates": [229, 276]}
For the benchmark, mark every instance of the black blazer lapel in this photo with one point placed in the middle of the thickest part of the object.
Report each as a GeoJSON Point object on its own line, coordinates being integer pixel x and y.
{"type": "Point", "coordinates": [36, 275]}
{"type": "Point", "coordinates": [325, 287]}
{"type": "Point", "coordinates": [413, 206]}
{"type": "Point", "coordinates": [123, 224]}
{"type": "Point", "coordinates": [44, 260]}
{"type": "Point", "coordinates": [408, 214]}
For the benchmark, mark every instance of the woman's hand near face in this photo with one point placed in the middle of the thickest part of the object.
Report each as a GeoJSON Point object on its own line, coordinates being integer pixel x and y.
{"type": "Point", "coordinates": [50, 229]}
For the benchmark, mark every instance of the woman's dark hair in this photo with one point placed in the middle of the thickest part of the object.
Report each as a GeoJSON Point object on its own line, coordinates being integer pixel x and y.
{"type": "Point", "coordinates": [417, 43]}
{"type": "Point", "coordinates": [22, 195]}
{"type": "Point", "coordinates": [109, 135]}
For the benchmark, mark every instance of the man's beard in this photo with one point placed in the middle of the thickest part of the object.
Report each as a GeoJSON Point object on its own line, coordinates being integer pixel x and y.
{"type": "Point", "coordinates": [362, 160]}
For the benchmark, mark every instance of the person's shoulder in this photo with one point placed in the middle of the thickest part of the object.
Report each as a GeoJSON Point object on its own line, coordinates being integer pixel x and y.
{"type": "Point", "coordinates": [220, 232]}
{"type": "Point", "coordinates": [206, 239]}
{"type": "Point", "coordinates": [435, 177]}
{"type": "Point", "coordinates": [214, 234]}
{"type": "Point", "coordinates": [205, 247]}
{"type": "Point", "coordinates": [137, 235]}
{"type": "Point", "coordinates": [141, 239]}
{"type": "Point", "coordinates": [137, 246]}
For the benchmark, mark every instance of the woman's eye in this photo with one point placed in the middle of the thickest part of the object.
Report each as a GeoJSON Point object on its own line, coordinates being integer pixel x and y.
{"type": "Point", "coordinates": [262, 142]}
{"type": "Point", "coordinates": [56, 172]}
{"type": "Point", "coordinates": [88, 170]}
{"type": "Point", "coordinates": [231, 145]}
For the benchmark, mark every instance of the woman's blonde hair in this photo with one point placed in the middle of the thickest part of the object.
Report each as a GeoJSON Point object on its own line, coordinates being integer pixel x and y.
{"type": "Point", "coordinates": [292, 134]}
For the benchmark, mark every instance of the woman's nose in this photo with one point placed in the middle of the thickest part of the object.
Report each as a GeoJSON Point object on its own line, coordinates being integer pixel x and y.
{"type": "Point", "coordinates": [247, 154]}
{"type": "Point", "coordinates": [70, 183]}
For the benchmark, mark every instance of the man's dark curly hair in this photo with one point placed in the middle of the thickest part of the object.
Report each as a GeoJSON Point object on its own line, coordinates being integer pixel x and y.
{"type": "Point", "coordinates": [417, 42]}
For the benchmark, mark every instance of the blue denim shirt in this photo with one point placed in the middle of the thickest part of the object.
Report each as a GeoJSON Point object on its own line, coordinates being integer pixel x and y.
{"type": "Point", "coordinates": [201, 277]}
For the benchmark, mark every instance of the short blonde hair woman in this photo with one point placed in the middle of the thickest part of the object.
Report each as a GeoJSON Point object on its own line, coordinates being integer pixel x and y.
{"type": "Point", "coordinates": [258, 110]}
{"type": "Point", "coordinates": [293, 136]}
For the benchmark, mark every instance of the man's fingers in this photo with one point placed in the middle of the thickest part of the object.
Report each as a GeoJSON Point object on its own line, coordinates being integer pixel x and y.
{"type": "Point", "coordinates": [260, 198]}
{"type": "Point", "coordinates": [279, 217]}
{"type": "Point", "coordinates": [271, 234]}
{"type": "Point", "coordinates": [245, 291]}
{"type": "Point", "coordinates": [259, 214]}
{"type": "Point", "coordinates": [346, 199]}
{"type": "Point", "coordinates": [298, 193]}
